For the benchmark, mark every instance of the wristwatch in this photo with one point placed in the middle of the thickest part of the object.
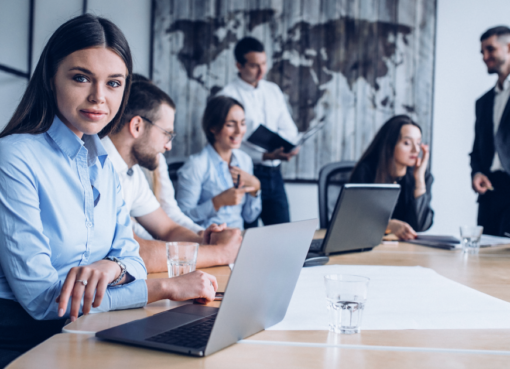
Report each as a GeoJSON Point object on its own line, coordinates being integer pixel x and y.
{"type": "Point", "coordinates": [122, 269]}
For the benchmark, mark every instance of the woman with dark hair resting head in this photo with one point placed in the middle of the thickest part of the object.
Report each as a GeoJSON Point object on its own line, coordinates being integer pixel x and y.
{"type": "Point", "coordinates": [394, 157]}
{"type": "Point", "coordinates": [66, 243]}
{"type": "Point", "coordinates": [217, 184]}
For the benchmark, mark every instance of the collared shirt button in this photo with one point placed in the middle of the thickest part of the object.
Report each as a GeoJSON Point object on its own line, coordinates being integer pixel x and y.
{"type": "Point", "coordinates": [89, 224]}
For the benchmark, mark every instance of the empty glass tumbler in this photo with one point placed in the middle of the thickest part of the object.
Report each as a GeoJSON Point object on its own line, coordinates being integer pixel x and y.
{"type": "Point", "coordinates": [346, 296]}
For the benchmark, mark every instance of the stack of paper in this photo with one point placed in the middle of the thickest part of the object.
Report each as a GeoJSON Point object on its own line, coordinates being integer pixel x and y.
{"type": "Point", "coordinates": [398, 298]}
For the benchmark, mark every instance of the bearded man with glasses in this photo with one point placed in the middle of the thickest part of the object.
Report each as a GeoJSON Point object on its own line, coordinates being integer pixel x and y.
{"type": "Point", "coordinates": [144, 134]}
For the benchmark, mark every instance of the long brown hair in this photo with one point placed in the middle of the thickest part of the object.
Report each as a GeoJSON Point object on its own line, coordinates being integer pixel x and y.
{"type": "Point", "coordinates": [379, 155]}
{"type": "Point", "coordinates": [38, 107]}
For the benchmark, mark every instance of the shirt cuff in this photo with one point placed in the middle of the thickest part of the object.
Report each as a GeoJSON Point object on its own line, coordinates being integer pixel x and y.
{"type": "Point", "coordinates": [125, 296]}
{"type": "Point", "coordinates": [135, 268]}
{"type": "Point", "coordinates": [151, 206]}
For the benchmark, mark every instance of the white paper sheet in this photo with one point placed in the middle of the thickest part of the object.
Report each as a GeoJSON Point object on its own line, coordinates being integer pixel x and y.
{"type": "Point", "coordinates": [487, 240]}
{"type": "Point", "coordinates": [398, 298]}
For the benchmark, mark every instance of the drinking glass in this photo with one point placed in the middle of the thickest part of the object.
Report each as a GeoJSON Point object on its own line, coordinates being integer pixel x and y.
{"type": "Point", "coordinates": [470, 236]}
{"type": "Point", "coordinates": [346, 296]}
{"type": "Point", "coordinates": [181, 257]}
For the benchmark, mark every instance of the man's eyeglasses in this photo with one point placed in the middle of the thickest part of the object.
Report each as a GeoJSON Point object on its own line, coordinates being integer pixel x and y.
{"type": "Point", "coordinates": [169, 135]}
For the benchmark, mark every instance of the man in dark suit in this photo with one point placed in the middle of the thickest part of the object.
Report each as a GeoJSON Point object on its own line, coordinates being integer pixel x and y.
{"type": "Point", "coordinates": [490, 158]}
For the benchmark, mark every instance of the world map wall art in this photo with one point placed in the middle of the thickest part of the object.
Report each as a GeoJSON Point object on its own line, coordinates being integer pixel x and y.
{"type": "Point", "coordinates": [354, 63]}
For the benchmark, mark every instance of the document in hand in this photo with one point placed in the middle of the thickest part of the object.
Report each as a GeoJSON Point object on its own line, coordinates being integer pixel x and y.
{"type": "Point", "coordinates": [271, 141]}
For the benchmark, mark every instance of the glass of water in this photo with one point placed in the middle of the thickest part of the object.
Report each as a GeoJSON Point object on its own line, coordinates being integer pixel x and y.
{"type": "Point", "coordinates": [471, 239]}
{"type": "Point", "coordinates": [346, 296]}
{"type": "Point", "coordinates": [181, 257]}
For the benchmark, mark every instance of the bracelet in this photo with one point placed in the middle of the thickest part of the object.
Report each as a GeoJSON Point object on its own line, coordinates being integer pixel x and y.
{"type": "Point", "coordinates": [122, 269]}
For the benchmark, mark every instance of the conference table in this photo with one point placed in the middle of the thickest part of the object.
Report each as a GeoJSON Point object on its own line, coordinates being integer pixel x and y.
{"type": "Point", "coordinates": [488, 272]}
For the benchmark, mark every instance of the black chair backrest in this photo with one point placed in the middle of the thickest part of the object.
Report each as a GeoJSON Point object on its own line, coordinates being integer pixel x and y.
{"type": "Point", "coordinates": [336, 174]}
{"type": "Point", "coordinates": [172, 172]}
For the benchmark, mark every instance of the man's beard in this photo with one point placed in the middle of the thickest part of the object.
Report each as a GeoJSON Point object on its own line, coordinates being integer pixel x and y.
{"type": "Point", "coordinates": [497, 67]}
{"type": "Point", "coordinates": [143, 157]}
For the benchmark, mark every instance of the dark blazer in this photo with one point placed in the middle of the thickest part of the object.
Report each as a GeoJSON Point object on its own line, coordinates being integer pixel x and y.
{"type": "Point", "coordinates": [485, 143]}
{"type": "Point", "coordinates": [416, 212]}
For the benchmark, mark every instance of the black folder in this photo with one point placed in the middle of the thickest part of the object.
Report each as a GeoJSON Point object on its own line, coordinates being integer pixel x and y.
{"type": "Point", "coordinates": [271, 141]}
{"type": "Point", "coordinates": [439, 242]}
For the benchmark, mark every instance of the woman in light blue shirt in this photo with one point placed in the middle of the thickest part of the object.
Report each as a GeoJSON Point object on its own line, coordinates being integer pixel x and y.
{"type": "Point", "coordinates": [64, 231]}
{"type": "Point", "coordinates": [217, 184]}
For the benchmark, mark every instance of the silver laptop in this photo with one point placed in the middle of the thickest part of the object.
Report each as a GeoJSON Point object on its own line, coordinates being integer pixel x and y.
{"type": "Point", "coordinates": [360, 218]}
{"type": "Point", "coordinates": [257, 296]}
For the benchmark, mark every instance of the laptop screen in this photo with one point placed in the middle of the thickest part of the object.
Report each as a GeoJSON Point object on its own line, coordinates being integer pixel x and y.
{"type": "Point", "coordinates": [360, 218]}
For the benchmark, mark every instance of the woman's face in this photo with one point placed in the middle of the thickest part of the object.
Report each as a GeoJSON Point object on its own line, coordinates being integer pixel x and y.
{"type": "Point", "coordinates": [407, 148]}
{"type": "Point", "coordinates": [88, 87]}
{"type": "Point", "coordinates": [231, 135]}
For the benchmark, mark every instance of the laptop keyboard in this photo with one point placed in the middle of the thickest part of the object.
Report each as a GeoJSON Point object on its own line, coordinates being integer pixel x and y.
{"type": "Point", "coordinates": [316, 245]}
{"type": "Point", "coordinates": [192, 335]}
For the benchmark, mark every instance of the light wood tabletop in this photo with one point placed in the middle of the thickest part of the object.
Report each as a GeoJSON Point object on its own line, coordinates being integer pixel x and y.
{"type": "Point", "coordinates": [488, 272]}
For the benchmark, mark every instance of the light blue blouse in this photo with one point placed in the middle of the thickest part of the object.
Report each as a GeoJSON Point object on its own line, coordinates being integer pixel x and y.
{"type": "Point", "coordinates": [206, 175]}
{"type": "Point", "coordinates": [61, 206]}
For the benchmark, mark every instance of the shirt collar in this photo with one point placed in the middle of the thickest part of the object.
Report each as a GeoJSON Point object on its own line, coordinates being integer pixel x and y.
{"type": "Point", "coordinates": [95, 149]}
{"type": "Point", "coordinates": [118, 163]}
{"type": "Point", "coordinates": [245, 85]}
{"type": "Point", "coordinates": [216, 158]}
{"type": "Point", "coordinates": [71, 145]}
{"type": "Point", "coordinates": [506, 85]}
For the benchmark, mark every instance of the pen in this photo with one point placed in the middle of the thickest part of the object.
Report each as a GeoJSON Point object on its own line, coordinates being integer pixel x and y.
{"type": "Point", "coordinates": [236, 185]}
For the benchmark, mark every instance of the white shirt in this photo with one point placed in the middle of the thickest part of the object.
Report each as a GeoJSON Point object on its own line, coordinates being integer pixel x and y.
{"type": "Point", "coordinates": [500, 100]}
{"type": "Point", "coordinates": [167, 197]}
{"type": "Point", "coordinates": [138, 196]}
{"type": "Point", "coordinates": [264, 104]}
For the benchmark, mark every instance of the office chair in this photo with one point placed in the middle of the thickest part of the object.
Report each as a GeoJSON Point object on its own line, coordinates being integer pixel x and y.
{"type": "Point", "coordinates": [331, 179]}
{"type": "Point", "coordinates": [172, 172]}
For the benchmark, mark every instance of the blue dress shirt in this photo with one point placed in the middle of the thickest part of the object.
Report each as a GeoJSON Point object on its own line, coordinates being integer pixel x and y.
{"type": "Point", "coordinates": [206, 175]}
{"type": "Point", "coordinates": [61, 206]}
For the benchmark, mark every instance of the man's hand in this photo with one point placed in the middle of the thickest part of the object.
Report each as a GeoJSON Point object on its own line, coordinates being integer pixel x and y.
{"type": "Point", "coordinates": [278, 154]}
{"type": "Point", "coordinates": [246, 178]}
{"type": "Point", "coordinates": [227, 244]}
{"type": "Point", "coordinates": [402, 230]}
{"type": "Point", "coordinates": [481, 183]}
{"type": "Point", "coordinates": [95, 277]}
{"type": "Point", "coordinates": [232, 196]}
{"type": "Point", "coordinates": [196, 285]}
{"type": "Point", "coordinates": [213, 228]}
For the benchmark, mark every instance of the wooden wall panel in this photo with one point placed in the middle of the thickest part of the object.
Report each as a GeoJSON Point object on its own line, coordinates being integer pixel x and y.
{"type": "Point", "coordinates": [356, 62]}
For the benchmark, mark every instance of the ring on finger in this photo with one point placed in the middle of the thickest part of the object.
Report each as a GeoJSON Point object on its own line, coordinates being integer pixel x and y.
{"type": "Point", "coordinates": [82, 281]}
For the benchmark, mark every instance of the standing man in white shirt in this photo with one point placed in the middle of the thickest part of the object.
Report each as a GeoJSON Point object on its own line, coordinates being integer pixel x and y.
{"type": "Point", "coordinates": [145, 131]}
{"type": "Point", "coordinates": [264, 104]}
{"type": "Point", "coordinates": [490, 158]}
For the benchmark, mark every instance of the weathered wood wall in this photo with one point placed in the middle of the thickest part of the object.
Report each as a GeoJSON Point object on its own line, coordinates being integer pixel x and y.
{"type": "Point", "coordinates": [358, 62]}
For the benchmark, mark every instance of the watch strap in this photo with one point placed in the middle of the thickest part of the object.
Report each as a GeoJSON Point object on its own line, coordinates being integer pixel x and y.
{"type": "Point", "coordinates": [122, 270]}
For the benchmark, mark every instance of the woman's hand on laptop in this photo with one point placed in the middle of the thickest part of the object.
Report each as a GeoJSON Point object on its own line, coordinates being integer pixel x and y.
{"type": "Point", "coordinates": [195, 285]}
{"type": "Point", "coordinates": [402, 230]}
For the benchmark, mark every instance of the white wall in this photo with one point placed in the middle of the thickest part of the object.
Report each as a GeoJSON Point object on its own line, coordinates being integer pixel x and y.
{"type": "Point", "coordinates": [13, 32]}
